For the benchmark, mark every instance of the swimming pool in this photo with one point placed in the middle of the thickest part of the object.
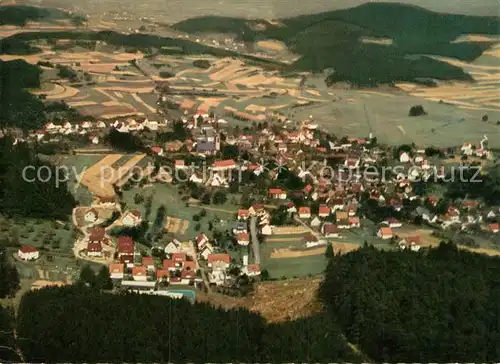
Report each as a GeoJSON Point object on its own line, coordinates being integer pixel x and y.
{"type": "Point", "coordinates": [191, 295]}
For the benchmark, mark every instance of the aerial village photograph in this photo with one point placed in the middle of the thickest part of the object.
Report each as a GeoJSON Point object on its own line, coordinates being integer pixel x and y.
{"type": "Point", "coordinates": [249, 181]}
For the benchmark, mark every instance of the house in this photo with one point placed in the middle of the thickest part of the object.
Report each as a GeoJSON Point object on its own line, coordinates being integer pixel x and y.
{"type": "Point", "coordinates": [243, 214]}
{"type": "Point", "coordinates": [201, 241]}
{"type": "Point", "coordinates": [266, 230]}
{"type": "Point", "coordinates": [162, 275]}
{"type": "Point", "coordinates": [206, 251]}
{"type": "Point", "coordinates": [148, 262]}
{"type": "Point", "coordinates": [252, 270]}
{"type": "Point", "coordinates": [180, 164]}
{"type": "Point", "coordinates": [305, 212]}
{"type": "Point", "coordinates": [413, 242]}
{"type": "Point", "coordinates": [470, 204]}
{"type": "Point", "coordinates": [125, 246]}
{"type": "Point", "coordinates": [97, 234]}
{"type": "Point", "coordinates": [354, 222]}
{"type": "Point", "coordinates": [157, 150]}
{"type": "Point", "coordinates": [173, 246]}
{"type": "Point", "coordinates": [256, 209]}
{"type": "Point", "coordinates": [240, 227]}
{"type": "Point", "coordinates": [169, 264]}
{"type": "Point", "coordinates": [195, 178]}
{"type": "Point", "coordinates": [131, 218]}
{"type": "Point", "coordinates": [91, 216]}
{"type": "Point", "coordinates": [179, 259]}
{"type": "Point", "coordinates": [140, 273]}
{"type": "Point", "coordinates": [494, 228]}
{"type": "Point", "coordinates": [28, 252]}
{"type": "Point", "coordinates": [116, 271]}
{"type": "Point", "coordinates": [223, 165]}
{"type": "Point", "coordinates": [330, 230]}
{"type": "Point", "coordinates": [315, 222]}
{"type": "Point", "coordinates": [94, 249]}
{"type": "Point", "coordinates": [219, 261]}
{"type": "Point", "coordinates": [94, 139]}
{"type": "Point", "coordinates": [385, 233]}
{"type": "Point", "coordinates": [291, 209]}
{"type": "Point", "coordinates": [243, 239]}
{"type": "Point", "coordinates": [341, 216]}
{"type": "Point", "coordinates": [404, 157]}
{"type": "Point", "coordinates": [324, 211]}
{"type": "Point", "coordinates": [392, 222]}
{"type": "Point", "coordinates": [277, 193]}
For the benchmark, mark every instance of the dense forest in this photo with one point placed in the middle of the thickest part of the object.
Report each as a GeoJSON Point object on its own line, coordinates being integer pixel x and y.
{"type": "Point", "coordinates": [20, 14]}
{"type": "Point", "coordinates": [440, 305]}
{"type": "Point", "coordinates": [142, 328]}
{"type": "Point", "coordinates": [340, 41]}
{"type": "Point", "coordinates": [43, 197]}
{"type": "Point", "coordinates": [18, 107]}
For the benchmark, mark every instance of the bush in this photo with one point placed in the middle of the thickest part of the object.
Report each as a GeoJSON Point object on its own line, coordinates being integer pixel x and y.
{"type": "Point", "coordinates": [201, 63]}
{"type": "Point", "coordinates": [417, 110]}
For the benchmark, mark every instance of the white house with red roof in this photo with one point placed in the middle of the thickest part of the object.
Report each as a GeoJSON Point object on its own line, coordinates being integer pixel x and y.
{"type": "Point", "coordinates": [91, 216]}
{"type": "Point", "coordinates": [393, 222]}
{"type": "Point", "coordinates": [157, 150]}
{"type": "Point", "coordinates": [94, 249]}
{"type": "Point", "coordinates": [243, 214]}
{"type": "Point", "coordinates": [132, 218]}
{"type": "Point", "coordinates": [201, 241]}
{"type": "Point", "coordinates": [305, 212]}
{"type": "Point", "coordinates": [219, 261]}
{"type": "Point", "coordinates": [277, 193]}
{"type": "Point", "coordinates": [224, 165]}
{"type": "Point", "coordinates": [385, 233]}
{"type": "Point", "coordinates": [125, 246]}
{"type": "Point", "coordinates": [28, 252]}
{"type": "Point", "coordinates": [494, 228]}
{"type": "Point", "coordinates": [243, 239]}
{"type": "Point", "coordinates": [116, 270]}
{"type": "Point", "coordinates": [140, 273]}
{"type": "Point", "coordinates": [330, 230]}
{"type": "Point", "coordinates": [324, 211]}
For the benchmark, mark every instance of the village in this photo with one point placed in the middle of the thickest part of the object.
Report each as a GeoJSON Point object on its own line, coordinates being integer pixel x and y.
{"type": "Point", "coordinates": [301, 189]}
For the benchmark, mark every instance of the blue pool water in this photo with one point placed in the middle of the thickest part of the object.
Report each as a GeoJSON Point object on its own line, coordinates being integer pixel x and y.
{"type": "Point", "coordinates": [191, 295]}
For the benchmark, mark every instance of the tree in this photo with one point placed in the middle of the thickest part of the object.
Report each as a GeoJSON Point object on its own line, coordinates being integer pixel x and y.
{"type": "Point", "coordinates": [417, 110]}
{"type": "Point", "coordinates": [9, 276]}
{"type": "Point", "coordinates": [87, 276]}
{"type": "Point", "coordinates": [138, 198]}
{"type": "Point", "coordinates": [485, 118]}
{"type": "Point", "coordinates": [329, 253]}
{"type": "Point", "coordinates": [220, 198]}
{"type": "Point", "coordinates": [197, 227]}
{"type": "Point", "coordinates": [148, 202]}
{"type": "Point", "coordinates": [103, 279]}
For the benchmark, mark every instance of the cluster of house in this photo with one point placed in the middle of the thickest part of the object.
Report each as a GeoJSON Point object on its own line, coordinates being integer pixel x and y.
{"type": "Point", "coordinates": [145, 273]}
{"type": "Point", "coordinates": [94, 128]}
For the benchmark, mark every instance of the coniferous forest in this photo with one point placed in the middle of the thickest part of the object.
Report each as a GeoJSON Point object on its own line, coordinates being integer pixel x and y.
{"type": "Point", "coordinates": [437, 305]}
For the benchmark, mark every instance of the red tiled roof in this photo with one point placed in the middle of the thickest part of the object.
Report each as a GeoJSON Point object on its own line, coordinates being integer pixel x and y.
{"type": "Point", "coordinates": [224, 163]}
{"type": "Point", "coordinates": [147, 261]}
{"type": "Point", "coordinates": [212, 258]}
{"type": "Point", "coordinates": [162, 273]}
{"type": "Point", "coordinates": [116, 268]}
{"type": "Point", "coordinates": [139, 271]}
{"type": "Point", "coordinates": [324, 209]}
{"type": "Point", "coordinates": [94, 246]}
{"type": "Point", "coordinates": [386, 231]}
{"type": "Point", "coordinates": [28, 249]}
{"type": "Point", "coordinates": [97, 234]}
{"type": "Point", "coordinates": [253, 267]}
{"type": "Point", "coordinates": [168, 263]}
{"type": "Point", "coordinates": [304, 210]}
{"type": "Point", "coordinates": [125, 245]}
{"type": "Point", "coordinates": [242, 212]}
{"type": "Point", "coordinates": [275, 191]}
{"type": "Point", "coordinates": [243, 237]}
{"type": "Point", "coordinates": [179, 257]}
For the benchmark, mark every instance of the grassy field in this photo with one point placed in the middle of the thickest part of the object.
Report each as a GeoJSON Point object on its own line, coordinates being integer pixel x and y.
{"type": "Point", "coordinates": [167, 195]}
{"type": "Point", "coordinates": [290, 267]}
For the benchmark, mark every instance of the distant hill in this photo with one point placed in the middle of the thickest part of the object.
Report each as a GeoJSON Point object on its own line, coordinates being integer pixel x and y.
{"type": "Point", "coordinates": [20, 14]}
{"type": "Point", "coordinates": [333, 40]}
